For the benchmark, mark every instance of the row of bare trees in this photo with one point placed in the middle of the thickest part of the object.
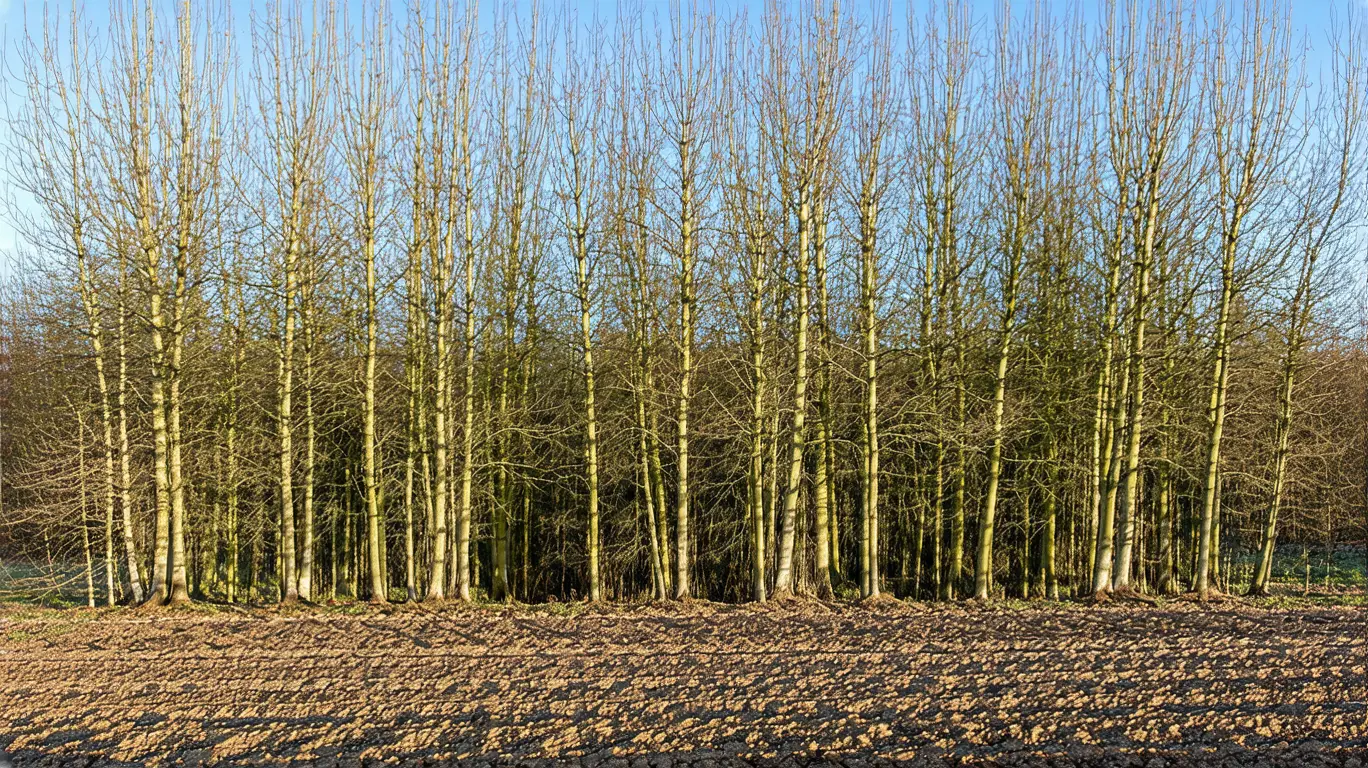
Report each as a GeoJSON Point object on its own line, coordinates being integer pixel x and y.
{"type": "Point", "coordinates": [444, 301]}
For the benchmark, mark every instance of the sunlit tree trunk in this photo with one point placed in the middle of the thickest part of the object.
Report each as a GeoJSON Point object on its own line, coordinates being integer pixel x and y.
{"type": "Point", "coordinates": [683, 111]}
{"type": "Point", "coordinates": [581, 109]}
{"type": "Point", "coordinates": [1251, 94]}
{"type": "Point", "coordinates": [822, 480]}
{"type": "Point", "coordinates": [757, 288]}
{"type": "Point", "coordinates": [1121, 571]}
{"type": "Point", "coordinates": [125, 470]}
{"type": "Point", "coordinates": [468, 247]}
{"type": "Point", "coordinates": [783, 580]}
{"type": "Point", "coordinates": [1024, 69]}
{"type": "Point", "coordinates": [83, 522]}
{"type": "Point", "coordinates": [367, 134]}
{"type": "Point", "coordinates": [1346, 120]}
{"type": "Point", "coordinates": [686, 341]}
{"type": "Point", "coordinates": [874, 111]}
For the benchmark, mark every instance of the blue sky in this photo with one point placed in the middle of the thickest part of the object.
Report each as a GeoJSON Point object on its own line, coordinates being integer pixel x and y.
{"type": "Point", "coordinates": [1313, 18]}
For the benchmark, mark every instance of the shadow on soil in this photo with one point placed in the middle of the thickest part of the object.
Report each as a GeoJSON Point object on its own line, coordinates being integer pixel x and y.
{"type": "Point", "coordinates": [1293, 755]}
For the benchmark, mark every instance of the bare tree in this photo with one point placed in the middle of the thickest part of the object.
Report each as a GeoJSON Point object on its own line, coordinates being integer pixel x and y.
{"type": "Point", "coordinates": [366, 122]}
{"type": "Point", "coordinates": [1252, 95]}
{"type": "Point", "coordinates": [581, 106]}
{"type": "Point", "coordinates": [1022, 83]}
{"type": "Point", "coordinates": [686, 97]}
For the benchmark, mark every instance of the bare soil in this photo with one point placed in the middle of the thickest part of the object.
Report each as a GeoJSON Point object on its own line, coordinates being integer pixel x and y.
{"type": "Point", "coordinates": [699, 684]}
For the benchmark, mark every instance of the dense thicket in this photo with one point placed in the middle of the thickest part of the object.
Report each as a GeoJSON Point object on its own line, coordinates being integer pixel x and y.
{"type": "Point", "coordinates": [439, 303]}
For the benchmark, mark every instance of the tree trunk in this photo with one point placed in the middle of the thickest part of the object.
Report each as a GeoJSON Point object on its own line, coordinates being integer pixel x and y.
{"type": "Point", "coordinates": [374, 526]}
{"type": "Point", "coordinates": [783, 580]}
{"type": "Point", "coordinates": [1216, 412]}
{"type": "Point", "coordinates": [983, 564]}
{"type": "Point", "coordinates": [822, 477]}
{"type": "Point", "coordinates": [683, 589]}
{"type": "Point", "coordinates": [1121, 573]}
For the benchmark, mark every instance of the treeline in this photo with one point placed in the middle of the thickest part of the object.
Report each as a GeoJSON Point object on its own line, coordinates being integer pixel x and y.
{"type": "Point", "coordinates": [440, 302]}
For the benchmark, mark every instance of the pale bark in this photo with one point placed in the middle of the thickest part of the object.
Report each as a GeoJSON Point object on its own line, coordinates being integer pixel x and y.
{"type": "Point", "coordinates": [1121, 572]}
{"type": "Point", "coordinates": [783, 579]}
{"type": "Point", "coordinates": [822, 480]}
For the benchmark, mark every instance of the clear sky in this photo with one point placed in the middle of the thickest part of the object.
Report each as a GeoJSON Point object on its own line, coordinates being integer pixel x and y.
{"type": "Point", "coordinates": [1312, 18]}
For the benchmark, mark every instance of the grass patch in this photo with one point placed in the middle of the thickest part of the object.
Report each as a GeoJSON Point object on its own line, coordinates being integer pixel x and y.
{"type": "Point", "coordinates": [1302, 578]}
{"type": "Point", "coordinates": [1324, 567]}
{"type": "Point", "coordinates": [1296, 600]}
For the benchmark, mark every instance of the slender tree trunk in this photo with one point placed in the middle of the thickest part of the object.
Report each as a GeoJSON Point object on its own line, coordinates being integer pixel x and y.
{"type": "Point", "coordinates": [180, 592]}
{"type": "Point", "coordinates": [1130, 506]}
{"type": "Point", "coordinates": [284, 421]}
{"type": "Point", "coordinates": [683, 589]}
{"type": "Point", "coordinates": [783, 580]}
{"type": "Point", "coordinates": [757, 288]}
{"type": "Point", "coordinates": [125, 469]}
{"type": "Point", "coordinates": [304, 578]}
{"type": "Point", "coordinates": [960, 471]}
{"type": "Point", "coordinates": [1282, 440]}
{"type": "Point", "coordinates": [657, 541]}
{"type": "Point", "coordinates": [983, 564]}
{"type": "Point", "coordinates": [591, 459]}
{"type": "Point", "coordinates": [652, 491]}
{"type": "Point", "coordinates": [410, 462]}
{"type": "Point", "coordinates": [468, 245]}
{"type": "Point", "coordinates": [437, 579]}
{"type": "Point", "coordinates": [1216, 412]}
{"type": "Point", "coordinates": [231, 503]}
{"type": "Point", "coordinates": [869, 322]}
{"type": "Point", "coordinates": [84, 523]}
{"type": "Point", "coordinates": [90, 299]}
{"type": "Point", "coordinates": [501, 511]}
{"type": "Point", "coordinates": [658, 476]}
{"type": "Point", "coordinates": [784, 575]}
{"type": "Point", "coordinates": [160, 439]}
{"type": "Point", "coordinates": [374, 525]}
{"type": "Point", "coordinates": [193, 169]}
{"type": "Point", "coordinates": [1048, 538]}
{"type": "Point", "coordinates": [463, 577]}
{"type": "Point", "coordinates": [822, 477]}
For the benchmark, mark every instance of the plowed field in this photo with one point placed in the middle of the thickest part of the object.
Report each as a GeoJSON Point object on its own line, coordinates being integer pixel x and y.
{"type": "Point", "coordinates": [801, 684]}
